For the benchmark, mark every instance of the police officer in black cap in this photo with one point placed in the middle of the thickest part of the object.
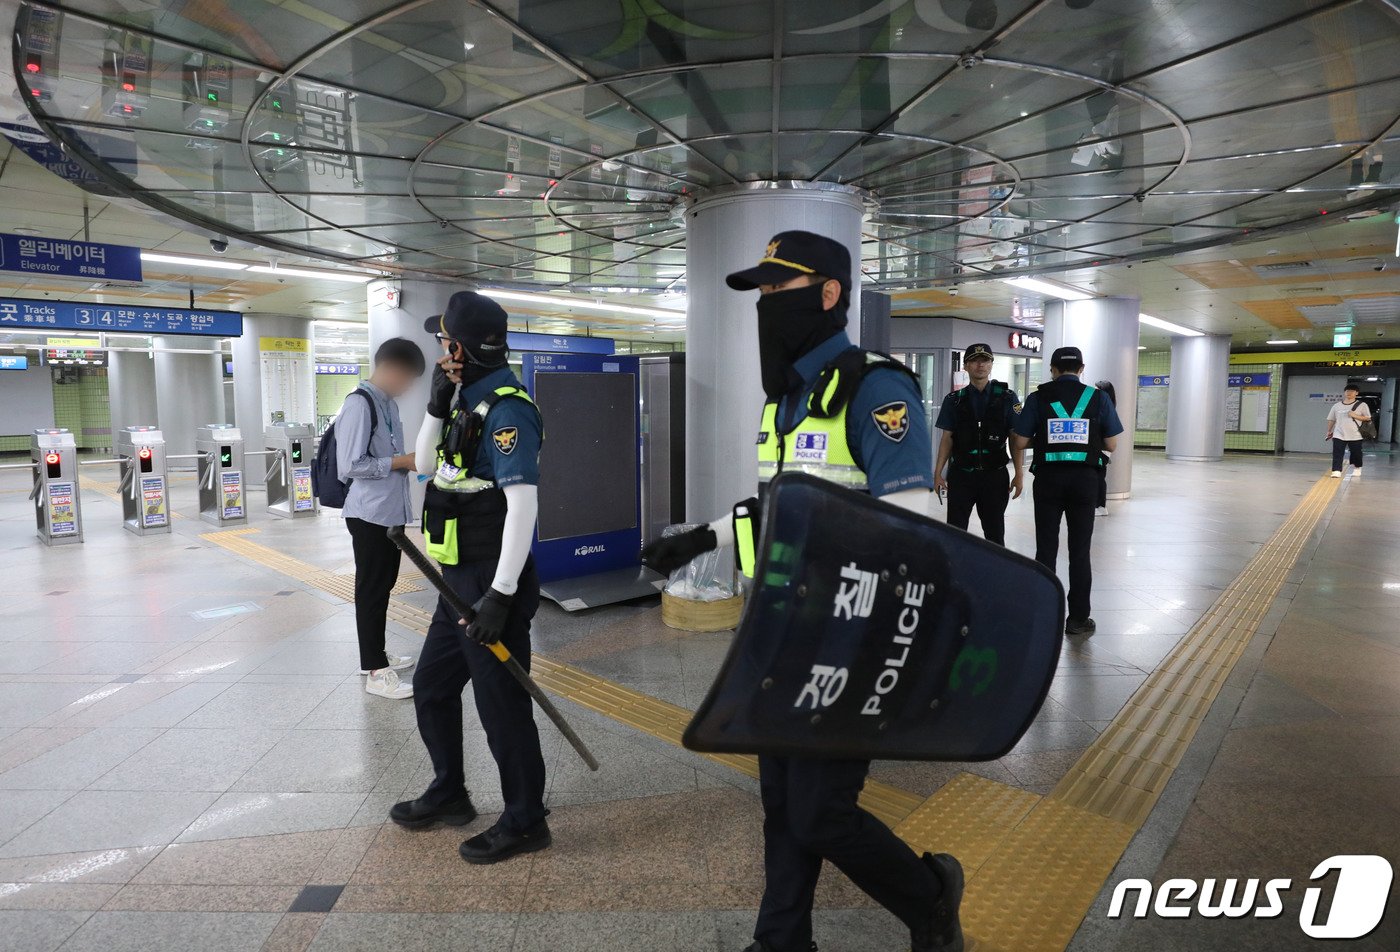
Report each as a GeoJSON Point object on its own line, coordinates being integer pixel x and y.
{"type": "Point", "coordinates": [848, 416]}
{"type": "Point", "coordinates": [976, 422]}
{"type": "Point", "coordinates": [480, 443]}
{"type": "Point", "coordinates": [1074, 429]}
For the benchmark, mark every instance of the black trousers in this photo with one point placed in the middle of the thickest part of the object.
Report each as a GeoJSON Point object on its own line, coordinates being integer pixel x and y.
{"type": "Point", "coordinates": [989, 491]}
{"type": "Point", "coordinates": [448, 662]}
{"type": "Point", "coordinates": [810, 814]}
{"type": "Point", "coordinates": [1341, 448]}
{"type": "Point", "coordinates": [376, 571]}
{"type": "Point", "coordinates": [1070, 493]}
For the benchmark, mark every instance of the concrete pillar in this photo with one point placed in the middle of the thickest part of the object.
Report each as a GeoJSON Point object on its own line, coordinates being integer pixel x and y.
{"type": "Point", "coordinates": [415, 303]}
{"type": "Point", "coordinates": [1106, 330]}
{"type": "Point", "coordinates": [189, 389]}
{"type": "Point", "coordinates": [293, 393]}
{"type": "Point", "coordinates": [1196, 399]}
{"type": "Point", "coordinates": [727, 230]}
{"type": "Point", "coordinates": [131, 388]}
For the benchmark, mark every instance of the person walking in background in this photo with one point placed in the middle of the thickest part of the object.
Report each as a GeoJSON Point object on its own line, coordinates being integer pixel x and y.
{"type": "Point", "coordinates": [1107, 389]}
{"type": "Point", "coordinates": [1344, 430]}
{"type": "Point", "coordinates": [975, 422]}
{"type": "Point", "coordinates": [1073, 429]}
{"type": "Point", "coordinates": [370, 453]}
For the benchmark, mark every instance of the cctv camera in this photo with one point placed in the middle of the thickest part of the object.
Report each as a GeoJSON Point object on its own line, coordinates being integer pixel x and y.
{"type": "Point", "coordinates": [218, 245]}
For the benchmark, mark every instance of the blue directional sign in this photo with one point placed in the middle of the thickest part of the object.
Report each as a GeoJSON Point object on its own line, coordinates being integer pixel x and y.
{"type": "Point", "coordinates": [118, 319]}
{"type": "Point", "coordinates": [62, 257]}
{"type": "Point", "coordinates": [522, 341]}
{"type": "Point", "coordinates": [13, 362]}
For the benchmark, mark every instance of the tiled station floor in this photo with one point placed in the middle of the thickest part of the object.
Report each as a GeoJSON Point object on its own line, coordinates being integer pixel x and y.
{"type": "Point", "coordinates": [188, 760]}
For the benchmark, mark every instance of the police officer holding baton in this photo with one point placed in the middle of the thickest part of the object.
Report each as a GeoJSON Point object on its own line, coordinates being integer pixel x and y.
{"type": "Point", "coordinates": [849, 416]}
{"type": "Point", "coordinates": [976, 421]}
{"type": "Point", "coordinates": [480, 443]}
{"type": "Point", "coordinates": [1074, 429]}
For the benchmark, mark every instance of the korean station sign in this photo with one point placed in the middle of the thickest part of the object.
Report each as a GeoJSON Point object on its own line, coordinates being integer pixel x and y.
{"type": "Point", "coordinates": [341, 370]}
{"type": "Point", "coordinates": [64, 258]}
{"type": "Point", "coordinates": [21, 314]}
{"type": "Point", "coordinates": [1020, 340]}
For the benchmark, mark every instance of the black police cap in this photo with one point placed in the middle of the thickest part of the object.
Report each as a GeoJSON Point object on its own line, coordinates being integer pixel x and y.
{"type": "Point", "coordinates": [978, 350]}
{"type": "Point", "coordinates": [1067, 358]}
{"type": "Point", "coordinates": [791, 253]}
{"type": "Point", "coordinates": [470, 318]}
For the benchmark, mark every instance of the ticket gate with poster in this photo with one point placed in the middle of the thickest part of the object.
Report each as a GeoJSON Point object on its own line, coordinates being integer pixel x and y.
{"type": "Point", "coordinates": [219, 447]}
{"type": "Point", "coordinates": [57, 510]}
{"type": "Point", "coordinates": [292, 447]}
{"type": "Point", "coordinates": [144, 483]}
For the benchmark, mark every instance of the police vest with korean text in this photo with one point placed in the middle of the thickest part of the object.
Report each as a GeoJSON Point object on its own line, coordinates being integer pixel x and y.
{"type": "Point", "coordinates": [820, 444]}
{"type": "Point", "coordinates": [464, 515]}
{"type": "Point", "coordinates": [1068, 431]}
{"type": "Point", "coordinates": [980, 444]}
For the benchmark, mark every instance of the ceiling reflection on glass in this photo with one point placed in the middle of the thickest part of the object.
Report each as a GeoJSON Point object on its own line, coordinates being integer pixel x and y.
{"type": "Point", "coordinates": [558, 142]}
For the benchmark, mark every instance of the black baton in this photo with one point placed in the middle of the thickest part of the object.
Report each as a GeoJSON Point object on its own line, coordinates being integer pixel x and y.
{"type": "Point", "coordinates": [454, 601]}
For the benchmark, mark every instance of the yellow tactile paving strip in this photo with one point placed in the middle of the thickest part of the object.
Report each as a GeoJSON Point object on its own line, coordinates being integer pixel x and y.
{"type": "Point", "coordinates": [1033, 890]}
{"type": "Point", "coordinates": [1035, 864]}
{"type": "Point", "coordinates": [633, 708]}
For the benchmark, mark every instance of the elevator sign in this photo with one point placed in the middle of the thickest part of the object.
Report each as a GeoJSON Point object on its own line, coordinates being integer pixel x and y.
{"type": "Point", "coordinates": [63, 257]}
{"type": "Point", "coordinates": [116, 319]}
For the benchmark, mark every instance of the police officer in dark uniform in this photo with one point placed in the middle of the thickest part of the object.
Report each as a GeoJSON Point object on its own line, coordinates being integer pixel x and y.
{"type": "Point", "coordinates": [1074, 429]}
{"type": "Point", "coordinates": [480, 443]}
{"type": "Point", "coordinates": [850, 416]}
{"type": "Point", "coordinates": [976, 422]}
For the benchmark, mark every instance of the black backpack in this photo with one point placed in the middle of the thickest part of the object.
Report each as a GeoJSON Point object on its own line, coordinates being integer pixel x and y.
{"type": "Point", "coordinates": [325, 475]}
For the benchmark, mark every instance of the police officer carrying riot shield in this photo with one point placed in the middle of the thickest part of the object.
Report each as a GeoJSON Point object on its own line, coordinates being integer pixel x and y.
{"type": "Point", "coordinates": [480, 443]}
{"type": "Point", "coordinates": [852, 417]}
{"type": "Point", "coordinates": [976, 421]}
{"type": "Point", "coordinates": [1073, 429]}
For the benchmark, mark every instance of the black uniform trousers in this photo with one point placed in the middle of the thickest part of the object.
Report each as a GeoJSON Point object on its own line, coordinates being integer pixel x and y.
{"type": "Point", "coordinates": [1070, 492]}
{"type": "Point", "coordinates": [448, 662]}
{"type": "Point", "coordinates": [987, 490]}
{"type": "Point", "coordinates": [810, 814]}
{"type": "Point", "coordinates": [376, 570]}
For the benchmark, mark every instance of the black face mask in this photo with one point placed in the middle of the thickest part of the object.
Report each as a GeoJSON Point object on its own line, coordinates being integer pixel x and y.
{"type": "Point", "coordinates": [480, 361]}
{"type": "Point", "coordinates": [790, 324]}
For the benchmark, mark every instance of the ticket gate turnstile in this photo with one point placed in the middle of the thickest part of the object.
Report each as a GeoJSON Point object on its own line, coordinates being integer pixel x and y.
{"type": "Point", "coordinates": [145, 484]}
{"type": "Point", "coordinates": [57, 508]}
{"type": "Point", "coordinates": [219, 447]}
{"type": "Point", "coordinates": [293, 450]}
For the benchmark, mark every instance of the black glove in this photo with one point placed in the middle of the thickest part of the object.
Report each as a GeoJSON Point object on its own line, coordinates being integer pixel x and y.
{"type": "Point", "coordinates": [441, 395]}
{"type": "Point", "coordinates": [669, 553]}
{"type": "Point", "coordinates": [489, 617]}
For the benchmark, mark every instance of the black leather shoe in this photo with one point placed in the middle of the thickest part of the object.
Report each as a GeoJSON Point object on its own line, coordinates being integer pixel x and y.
{"type": "Point", "coordinates": [1080, 626]}
{"type": "Point", "coordinates": [945, 932]}
{"type": "Point", "coordinates": [498, 843]}
{"type": "Point", "coordinates": [416, 814]}
{"type": "Point", "coordinates": [761, 946]}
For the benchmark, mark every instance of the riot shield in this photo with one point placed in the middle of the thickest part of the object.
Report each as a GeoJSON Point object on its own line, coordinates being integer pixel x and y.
{"type": "Point", "coordinates": [871, 632]}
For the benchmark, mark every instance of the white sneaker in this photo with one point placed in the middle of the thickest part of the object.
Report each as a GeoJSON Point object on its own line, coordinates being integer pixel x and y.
{"type": "Point", "coordinates": [385, 683]}
{"type": "Point", "coordinates": [1336, 474]}
{"type": "Point", "coordinates": [1356, 472]}
{"type": "Point", "coordinates": [397, 662]}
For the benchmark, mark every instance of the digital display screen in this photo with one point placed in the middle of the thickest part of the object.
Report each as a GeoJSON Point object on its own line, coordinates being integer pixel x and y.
{"type": "Point", "coordinates": [226, 456]}
{"type": "Point", "coordinates": [296, 451]}
{"type": "Point", "coordinates": [588, 463]}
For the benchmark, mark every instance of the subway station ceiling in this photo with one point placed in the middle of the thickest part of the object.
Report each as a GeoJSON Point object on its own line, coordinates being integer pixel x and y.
{"type": "Point", "coordinates": [555, 143]}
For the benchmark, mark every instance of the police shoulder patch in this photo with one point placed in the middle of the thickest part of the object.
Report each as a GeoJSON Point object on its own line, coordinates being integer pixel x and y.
{"type": "Point", "coordinates": [506, 437]}
{"type": "Point", "coordinates": [892, 420]}
{"type": "Point", "coordinates": [1016, 408]}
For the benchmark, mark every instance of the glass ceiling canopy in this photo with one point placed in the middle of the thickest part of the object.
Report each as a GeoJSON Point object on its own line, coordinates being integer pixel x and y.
{"type": "Point", "coordinates": [555, 143]}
